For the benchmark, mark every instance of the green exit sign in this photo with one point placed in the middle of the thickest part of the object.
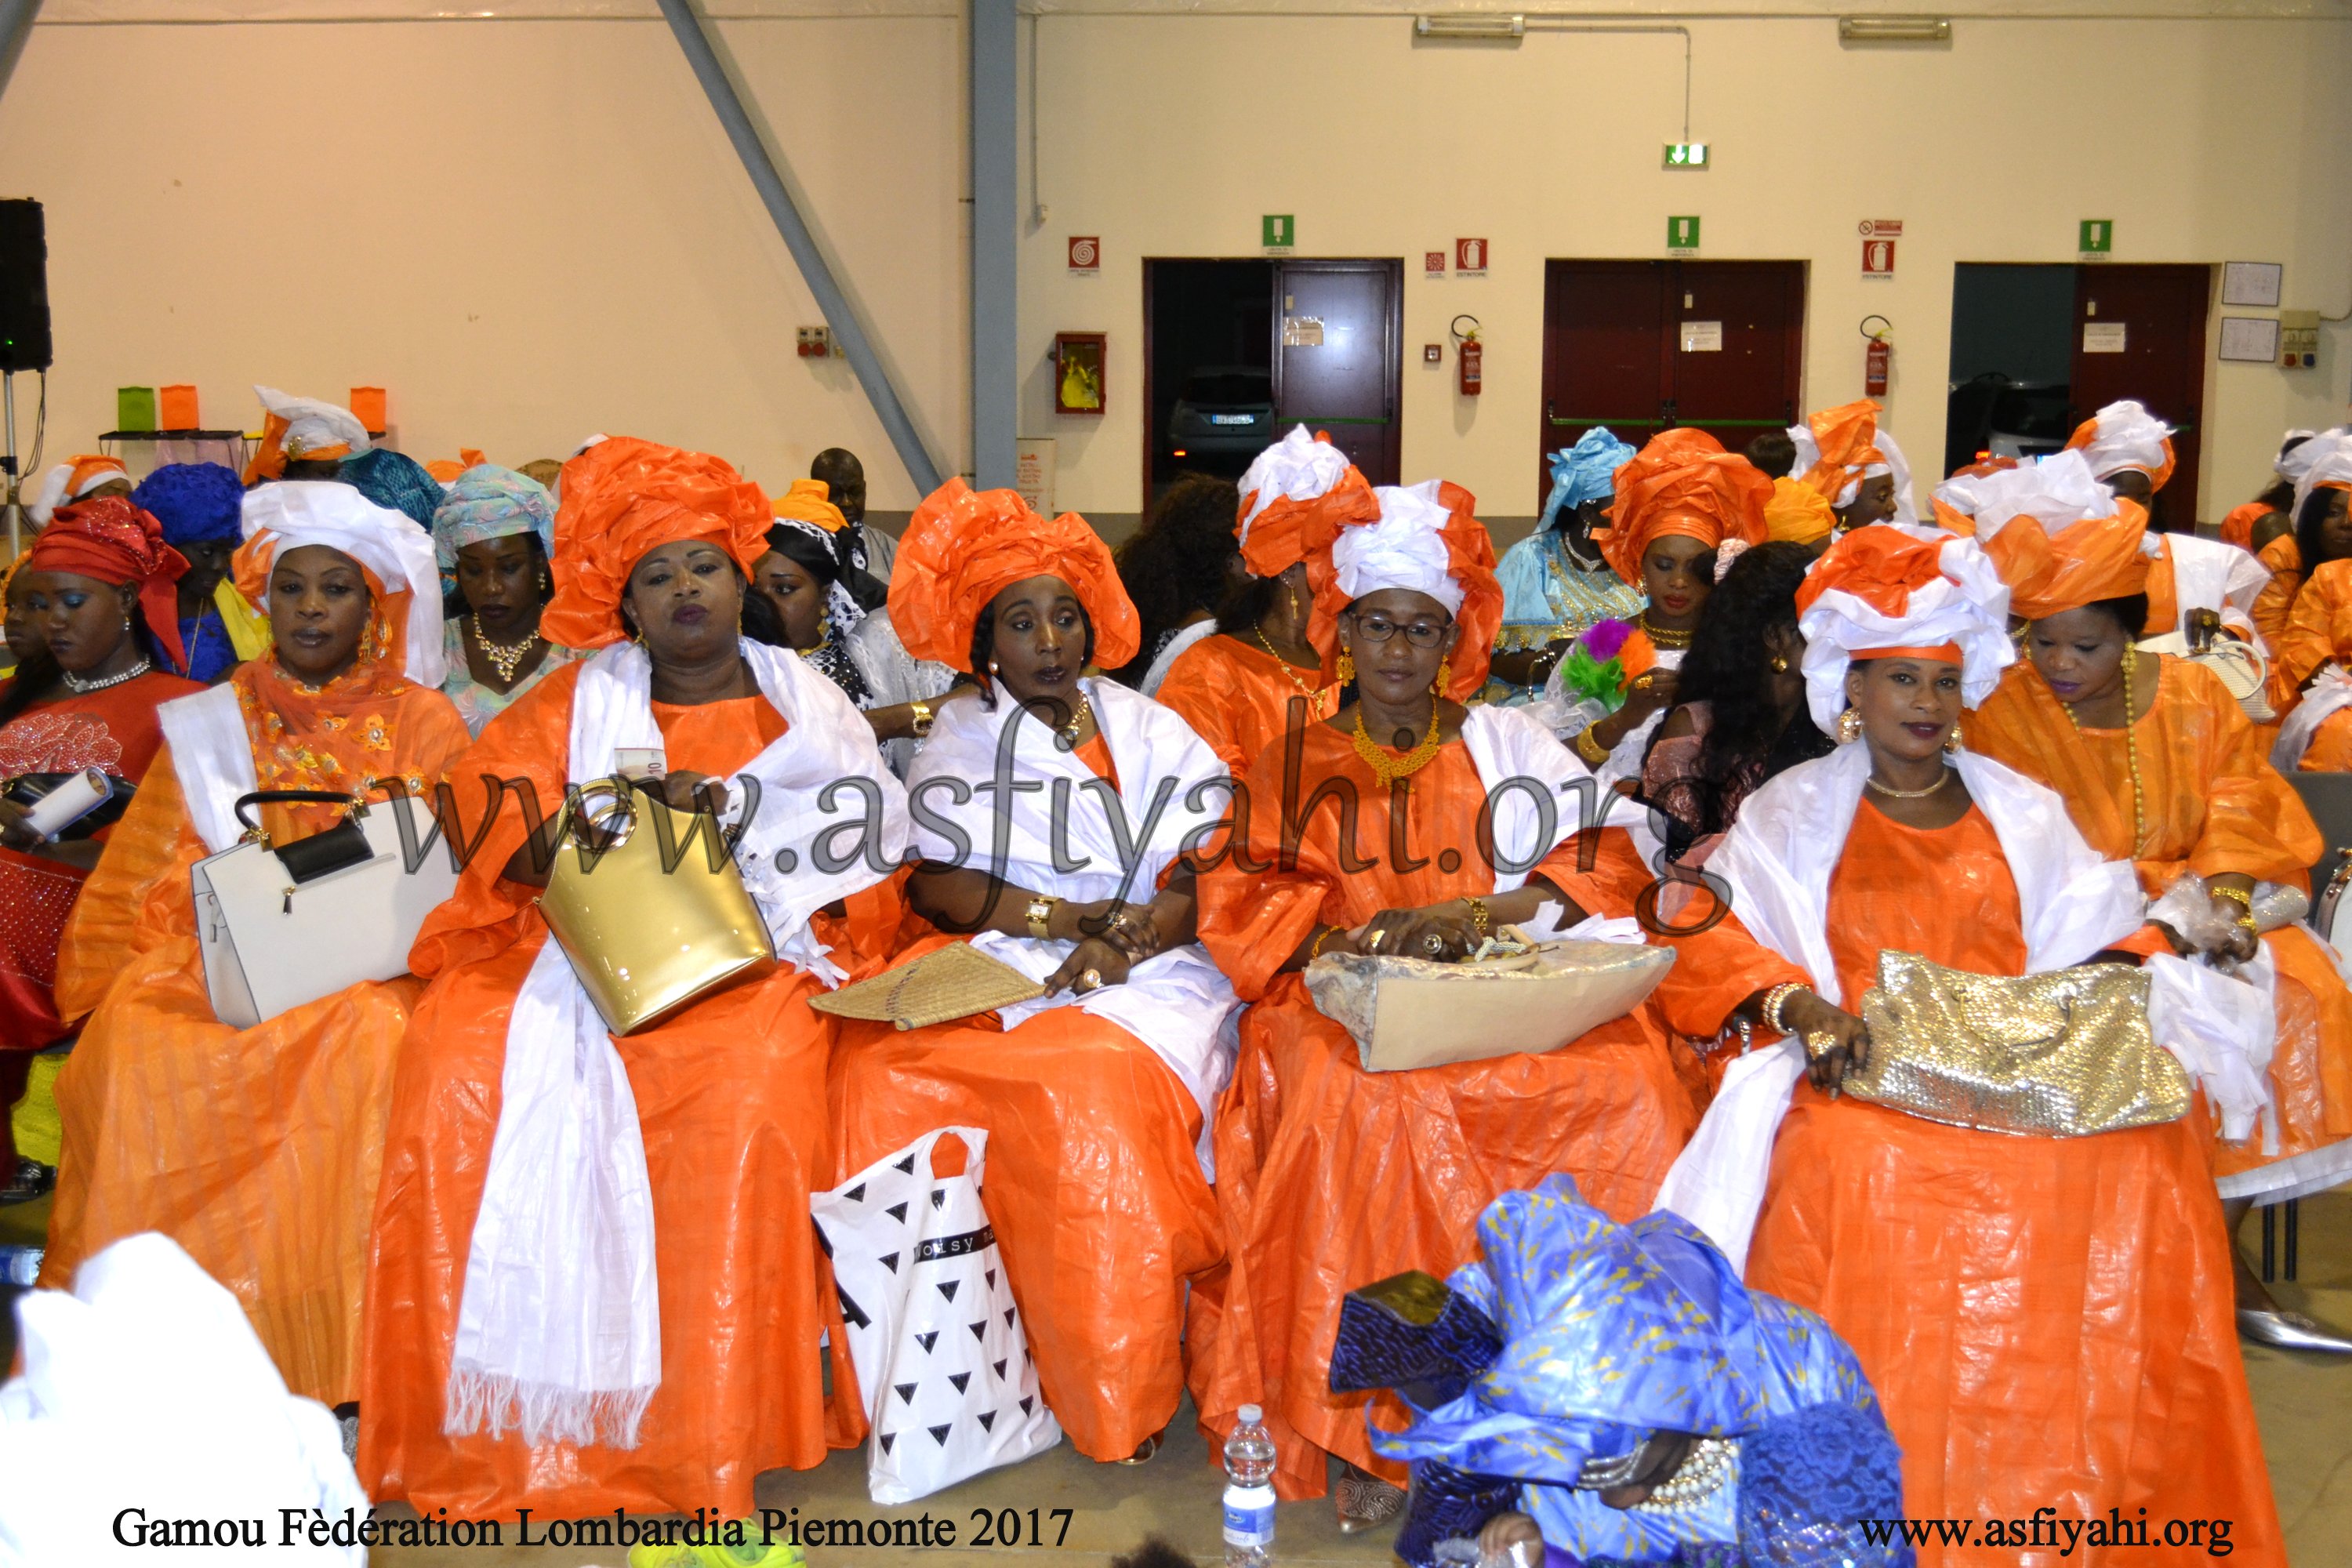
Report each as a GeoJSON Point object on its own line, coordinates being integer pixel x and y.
{"type": "Point", "coordinates": [1685, 155]}
{"type": "Point", "coordinates": [2099, 235]}
{"type": "Point", "coordinates": [1682, 233]}
{"type": "Point", "coordinates": [1277, 231]}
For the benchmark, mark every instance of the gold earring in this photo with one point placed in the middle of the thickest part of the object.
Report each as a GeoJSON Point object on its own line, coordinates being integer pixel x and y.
{"type": "Point", "coordinates": [1780, 664]}
{"type": "Point", "coordinates": [1445, 678]}
{"type": "Point", "coordinates": [1849, 727]}
{"type": "Point", "coordinates": [1953, 744]}
{"type": "Point", "coordinates": [1347, 667]}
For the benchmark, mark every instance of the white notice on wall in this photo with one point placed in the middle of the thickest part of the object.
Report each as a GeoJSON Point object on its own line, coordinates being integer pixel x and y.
{"type": "Point", "coordinates": [2103, 337]}
{"type": "Point", "coordinates": [1702, 337]}
{"type": "Point", "coordinates": [1032, 473]}
{"type": "Point", "coordinates": [2251, 338]}
{"type": "Point", "coordinates": [1302, 331]}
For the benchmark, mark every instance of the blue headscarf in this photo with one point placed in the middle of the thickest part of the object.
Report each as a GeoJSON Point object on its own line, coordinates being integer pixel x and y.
{"type": "Point", "coordinates": [1586, 471]}
{"type": "Point", "coordinates": [392, 480]}
{"type": "Point", "coordinates": [487, 502]}
{"type": "Point", "coordinates": [197, 503]}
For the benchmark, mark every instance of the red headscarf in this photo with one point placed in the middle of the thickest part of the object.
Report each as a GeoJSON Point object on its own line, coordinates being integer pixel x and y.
{"type": "Point", "coordinates": [624, 497]}
{"type": "Point", "coordinates": [114, 542]}
{"type": "Point", "coordinates": [1683, 483]}
{"type": "Point", "coordinates": [963, 547]}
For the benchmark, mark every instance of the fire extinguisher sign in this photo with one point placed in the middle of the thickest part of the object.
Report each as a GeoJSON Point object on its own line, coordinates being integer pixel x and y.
{"type": "Point", "coordinates": [1878, 237]}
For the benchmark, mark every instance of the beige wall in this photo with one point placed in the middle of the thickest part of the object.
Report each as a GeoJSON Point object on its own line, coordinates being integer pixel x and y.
{"type": "Point", "coordinates": [1168, 136]}
{"type": "Point", "coordinates": [526, 231]}
{"type": "Point", "coordinates": [531, 229]}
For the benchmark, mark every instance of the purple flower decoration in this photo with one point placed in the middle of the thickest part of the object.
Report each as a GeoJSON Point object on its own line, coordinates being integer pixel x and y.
{"type": "Point", "coordinates": [1605, 638]}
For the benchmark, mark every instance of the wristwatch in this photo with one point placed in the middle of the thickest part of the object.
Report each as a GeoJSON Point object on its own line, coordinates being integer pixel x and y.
{"type": "Point", "coordinates": [921, 727]}
{"type": "Point", "coordinates": [1040, 915]}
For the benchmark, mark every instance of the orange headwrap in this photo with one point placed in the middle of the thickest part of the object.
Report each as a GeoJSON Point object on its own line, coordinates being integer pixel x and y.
{"type": "Point", "coordinates": [962, 547]}
{"type": "Point", "coordinates": [1287, 531]}
{"type": "Point", "coordinates": [1797, 513]}
{"type": "Point", "coordinates": [624, 498]}
{"type": "Point", "coordinates": [1683, 483]}
{"type": "Point", "coordinates": [110, 541]}
{"type": "Point", "coordinates": [809, 502]}
{"type": "Point", "coordinates": [1847, 436]}
{"type": "Point", "coordinates": [1465, 555]}
{"type": "Point", "coordinates": [2099, 558]}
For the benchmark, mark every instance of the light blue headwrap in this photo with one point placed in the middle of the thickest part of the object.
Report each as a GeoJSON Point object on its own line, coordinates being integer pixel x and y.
{"type": "Point", "coordinates": [1586, 471]}
{"type": "Point", "coordinates": [486, 501]}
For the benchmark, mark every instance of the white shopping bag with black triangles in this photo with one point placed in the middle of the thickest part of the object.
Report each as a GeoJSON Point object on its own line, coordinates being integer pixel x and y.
{"type": "Point", "coordinates": [951, 1387]}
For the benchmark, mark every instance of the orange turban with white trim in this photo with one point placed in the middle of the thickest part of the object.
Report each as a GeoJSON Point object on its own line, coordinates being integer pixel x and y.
{"type": "Point", "coordinates": [962, 547]}
{"type": "Point", "coordinates": [2096, 559]}
{"type": "Point", "coordinates": [1683, 484]}
{"type": "Point", "coordinates": [2124, 435]}
{"type": "Point", "coordinates": [624, 497]}
{"type": "Point", "coordinates": [1297, 496]}
{"type": "Point", "coordinates": [1901, 591]}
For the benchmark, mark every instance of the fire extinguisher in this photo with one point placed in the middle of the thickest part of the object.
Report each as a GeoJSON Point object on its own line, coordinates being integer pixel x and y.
{"type": "Point", "coordinates": [1877, 358]}
{"type": "Point", "coordinates": [1468, 353]}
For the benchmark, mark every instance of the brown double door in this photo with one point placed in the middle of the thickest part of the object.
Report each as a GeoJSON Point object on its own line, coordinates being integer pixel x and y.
{"type": "Point", "coordinates": [1645, 346]}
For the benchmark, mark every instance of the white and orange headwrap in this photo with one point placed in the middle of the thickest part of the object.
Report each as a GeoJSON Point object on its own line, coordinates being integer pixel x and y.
{"type": "Point", "coordinates": [2124, 435]}
{"type": "Point", "coordinates": [2323, 462]}
{"type": "Point", "coordinates": [1425, 537]}
{"type": "Point", "coordinates": [1899, 591]}
{"type": "Point", "coordinates": [395, 554]}
{"type": "Point", "coordinates": [1954, 504]}
{"type": "Point", "coordinates": [303, 429]}
{"type": "Point", "coordinates": [1840, 448]}
{"type": "Point", "coordinates": [72, 479]}
{"type": "Point", "coordinates": [2060, 538]}
{"type": "Point", "coordinates": [1297, 496]}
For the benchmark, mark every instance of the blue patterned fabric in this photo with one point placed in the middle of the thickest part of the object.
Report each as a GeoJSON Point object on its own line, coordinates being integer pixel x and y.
{"type": "Point", "coordinates": [487, 502]}
{"type": "Point", "coordinates": [197, 503]}
{"type": "Point", "coordinates": [1613, 1333]}
{"type": "Point", "coordinates": [390, 479]}
{"type": "Point", "coordinates": [211, 655]}
{"type": "Point", "coordinates": [1586, 471]}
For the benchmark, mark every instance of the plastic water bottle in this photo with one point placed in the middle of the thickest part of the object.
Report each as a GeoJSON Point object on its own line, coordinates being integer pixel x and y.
{"type": "Point", "coordinates": [22, 1264]}
{"type": "Point", "coordinates": [1249, 1492]}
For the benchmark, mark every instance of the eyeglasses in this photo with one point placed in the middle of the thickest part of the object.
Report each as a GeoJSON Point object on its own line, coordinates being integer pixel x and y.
{"type": "Point", "coordinates": [1379, 628]}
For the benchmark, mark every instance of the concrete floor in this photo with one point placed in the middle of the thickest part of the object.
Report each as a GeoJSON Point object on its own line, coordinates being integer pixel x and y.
{"type": "Point", "coordinates": [2305, 1404]}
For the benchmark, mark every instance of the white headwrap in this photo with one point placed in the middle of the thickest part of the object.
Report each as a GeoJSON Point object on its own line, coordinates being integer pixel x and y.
{"type": "Point", "coordinates": [1967, 603]}
{"type": "Point", "coordinates": [1406, 549]}
{"type": "Point", "coordinates": [1297, 467]}
{"type": "Point", "coordinates": [2055, 492]}
{"type": "Point", "coordinates": [2127, 436]}
{"type": "Point", "coordinates": [2290, 462]}
{"type": "Point", "coordinates": [311, 425]}
{"type": "Point", "coordinates": [296, 512]}
{"type": "Point", "coordinates": [2325, 459]}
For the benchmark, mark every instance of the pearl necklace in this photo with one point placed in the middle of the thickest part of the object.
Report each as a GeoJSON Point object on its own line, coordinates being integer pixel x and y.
{"type": "Point", "coordinates": [1711, 1463]}
{"type": "Point", "coordinates": [76, 683]}
{"type": "Point", "coordinates": [505, 658]}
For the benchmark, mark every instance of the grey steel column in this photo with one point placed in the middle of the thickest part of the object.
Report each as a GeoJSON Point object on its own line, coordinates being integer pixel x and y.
{"type": "Point", "coordinates": [694, 38]}
{"type": "Point", "coordinates": [15, 26]}
{"type": "Point", "coordinates": [996, 87]}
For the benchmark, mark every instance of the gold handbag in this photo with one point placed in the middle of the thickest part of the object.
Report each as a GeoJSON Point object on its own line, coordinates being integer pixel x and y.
{"type": "Point", "coordinates": [2060, 1055]}
{"type": "Point", "coordinates": [655, 921]}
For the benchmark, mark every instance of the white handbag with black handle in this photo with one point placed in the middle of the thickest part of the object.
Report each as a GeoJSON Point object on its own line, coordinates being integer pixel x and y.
{"type": "Point", "coordinates": [282, 925]}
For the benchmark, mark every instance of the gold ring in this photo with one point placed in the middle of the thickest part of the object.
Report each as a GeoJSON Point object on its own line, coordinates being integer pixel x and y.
{"type": "Point", "coordinates": [1090, 980]}
{"type": "Point", "coordinates": [1819, 1043]}
{"type": "Point", "coordinates": [1374, 940]}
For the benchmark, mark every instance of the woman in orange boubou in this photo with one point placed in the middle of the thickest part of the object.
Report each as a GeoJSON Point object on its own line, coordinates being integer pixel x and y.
{"type": "Point", "coordinates": [1329, 1176]}
{"type": "Point", "coordinates": [1239, 689]}
{"type": "Point", "coordinates": [2047, 1320]}
{"type": "Point", "coordinates": [592, 1282]}
{"type": "Point", "coordinates": [272, 1197]}
{"type": "Point", "coordinates": [2159, 765]}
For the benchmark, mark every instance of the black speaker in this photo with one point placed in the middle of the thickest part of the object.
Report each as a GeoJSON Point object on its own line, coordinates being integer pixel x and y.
{"type": "Point", "coordinates": [24, 287]}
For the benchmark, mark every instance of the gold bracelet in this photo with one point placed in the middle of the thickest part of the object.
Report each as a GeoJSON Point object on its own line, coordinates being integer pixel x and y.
{"type": "Point", "coordinates": [1040, 915]}
{"type": "Point", "coordinates": [1482, 919]}
{"type": "Point", "coordinates": [2238, 896]}
{"type": "Point", "coordinates": [1776, 999]}
{"type": "Point", "coordinates": [1315, 951]}
{"type": "Point", "coordinates": [920, 726]}
{"type": "Point", "coordinates": [1590, 749]}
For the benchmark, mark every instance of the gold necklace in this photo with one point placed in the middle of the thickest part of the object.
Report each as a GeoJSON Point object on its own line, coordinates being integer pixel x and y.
{"type": "Point", "coordinates": [503, 657]}
{"type": "Point", "coordinates": [1310, 692]}
{"type": "Point", "coordinates": [1069, 731]}
{"type": "Point", "coordinates": [1659, 635]}
{"type": "Point", "coordinates": [2131, 750]}
{"type": "Point", "coordinates": [1893, 793]}
{"type": "Point", "coordinates": [1387, 771]}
